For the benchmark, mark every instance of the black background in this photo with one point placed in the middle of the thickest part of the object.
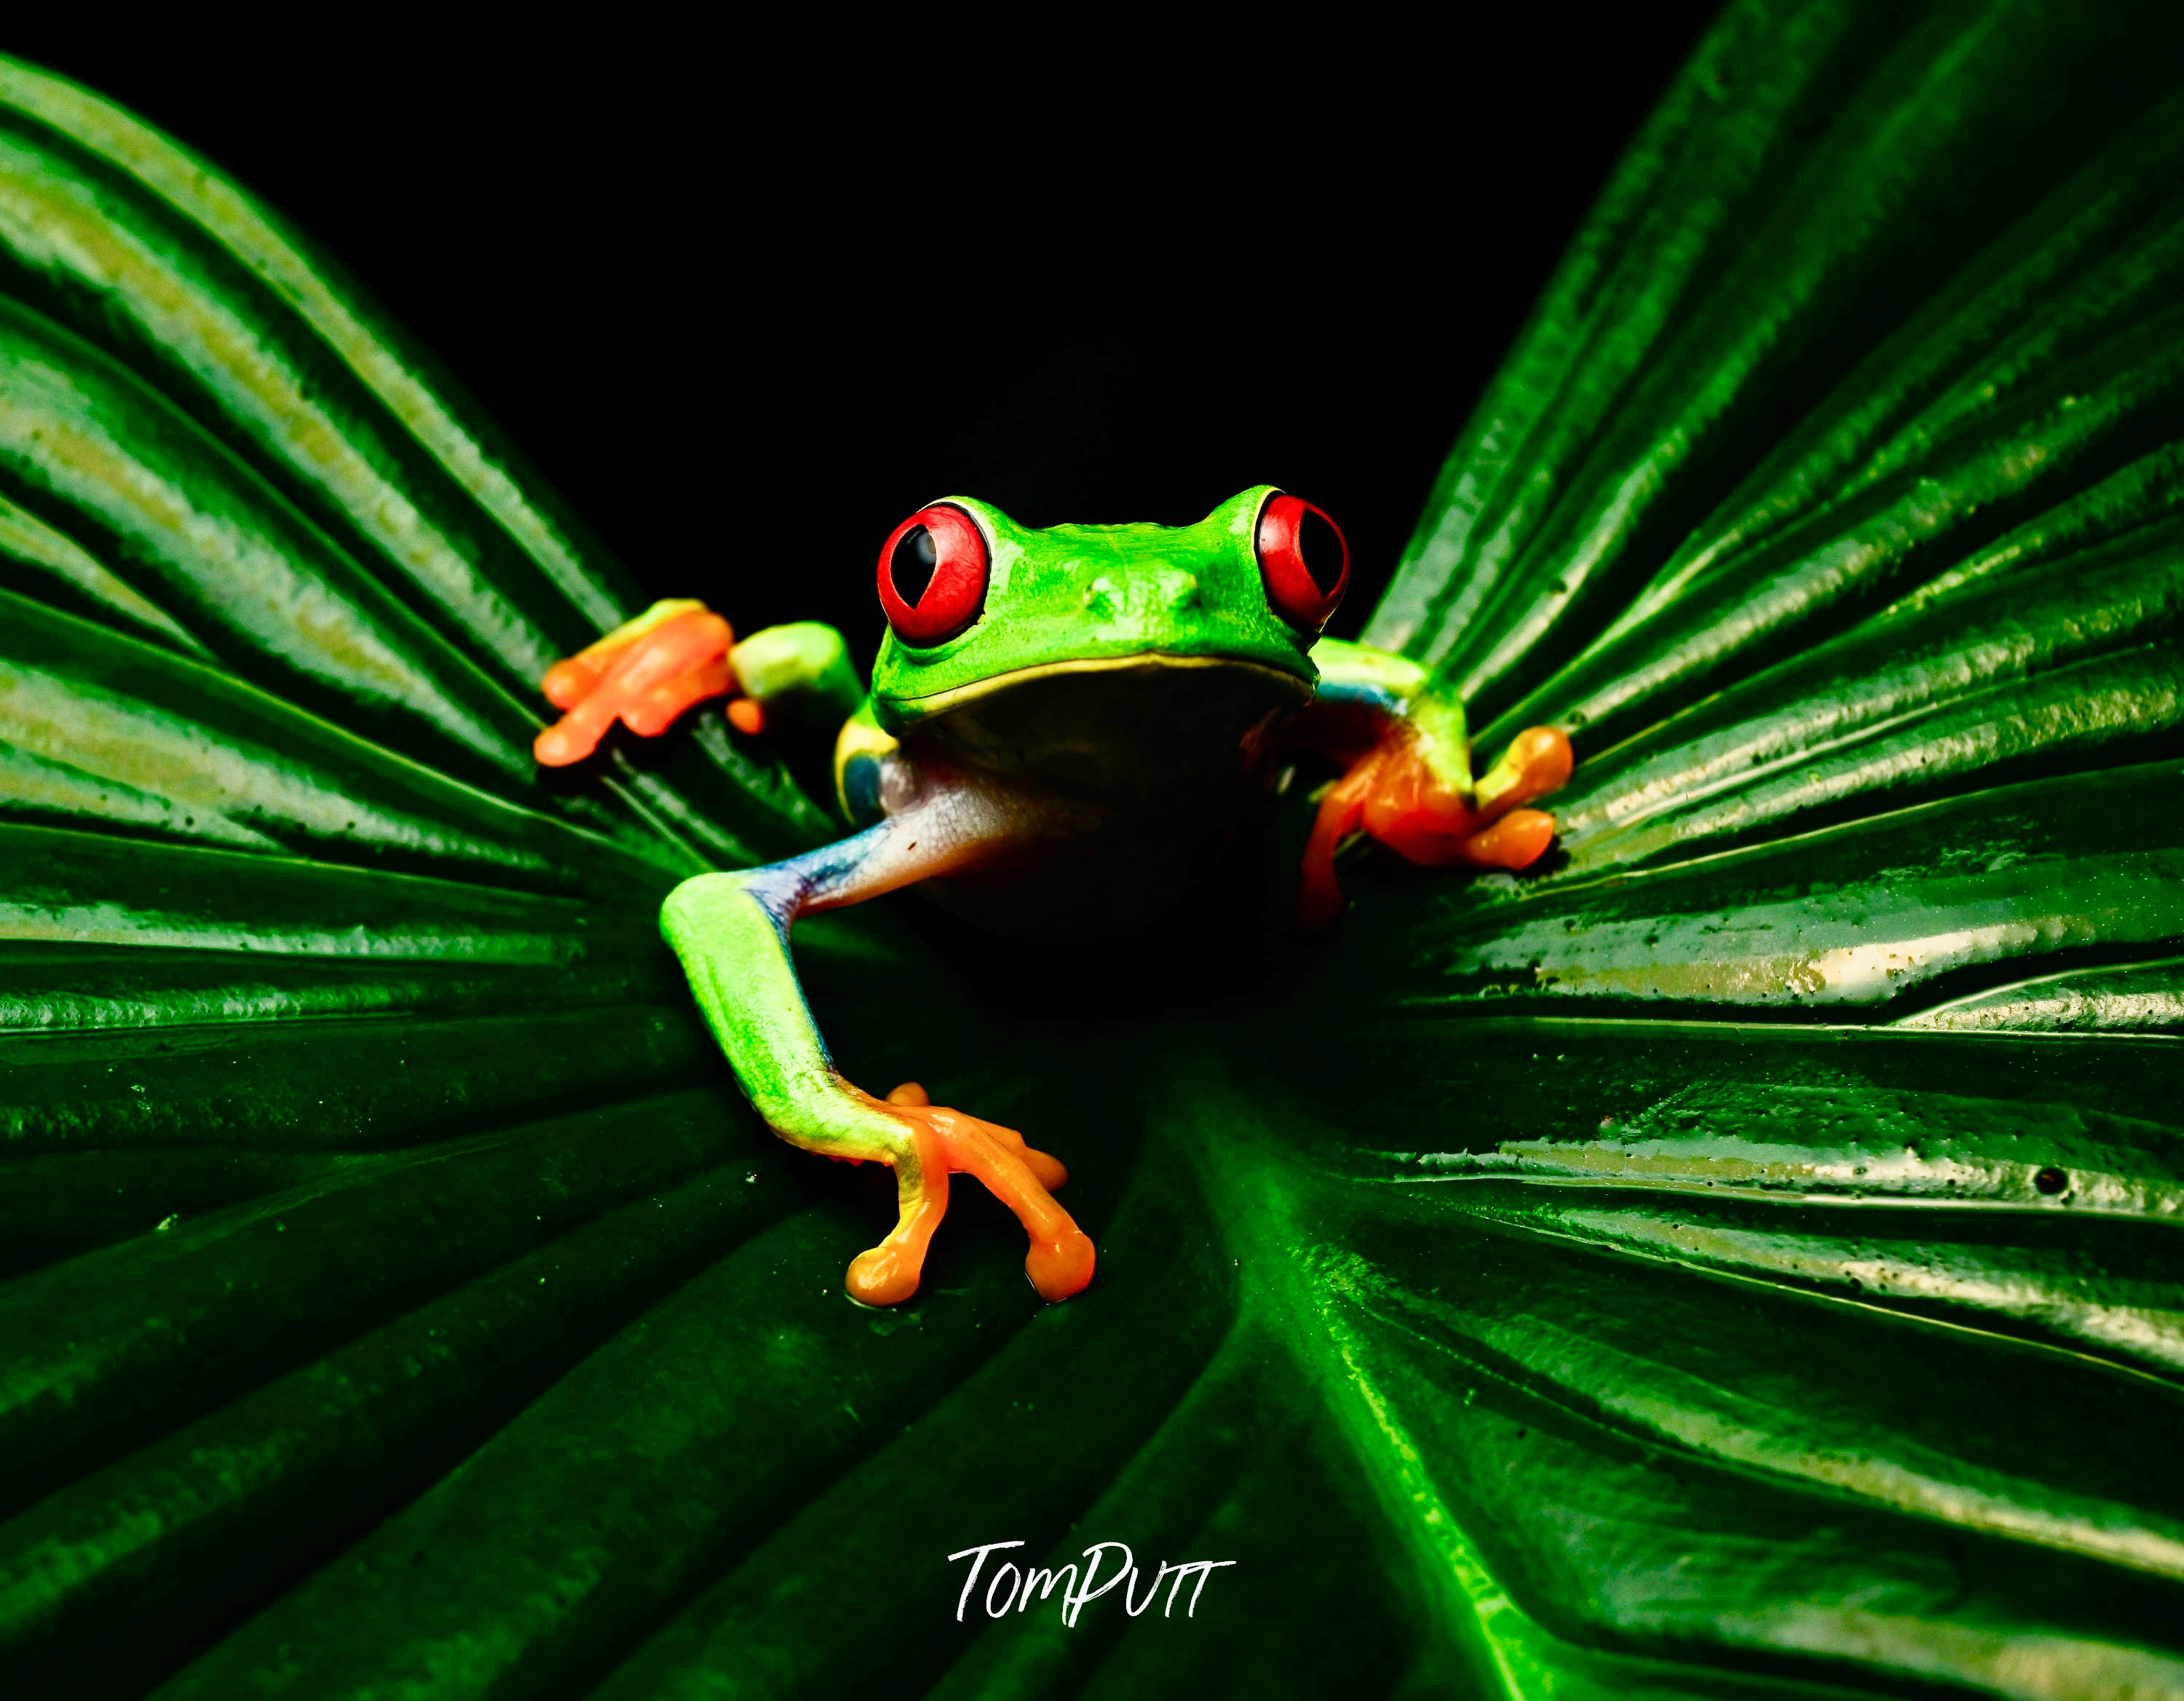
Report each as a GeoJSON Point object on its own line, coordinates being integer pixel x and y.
{"type": "Point", "coordinates": [747, 305]}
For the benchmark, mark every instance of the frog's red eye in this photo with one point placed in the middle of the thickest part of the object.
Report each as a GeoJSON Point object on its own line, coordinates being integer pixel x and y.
{"type": "Point", "coordinates": [933, 574]}
{"type": "Point", "coordinates": [1304, 560]}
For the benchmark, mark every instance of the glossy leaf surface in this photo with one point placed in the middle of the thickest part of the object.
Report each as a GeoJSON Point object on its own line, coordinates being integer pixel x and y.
{"type": "Point", "coordinates": [1738, 1257]}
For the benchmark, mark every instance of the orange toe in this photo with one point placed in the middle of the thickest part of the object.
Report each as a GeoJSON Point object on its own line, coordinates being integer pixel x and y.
{"type": "Point", "coordinates": [652, 711]}
{"type": "Point", "coordinates": [568, 739]}
{"type": "Point", "coordinates": [1539, 761]}
{"type": "Point", "coordinates": [567, 683]}
{"type": "Point", "coordinates": [1062, 1267]}
{"type": "Point", "coordinates": [888, 1274]}
{"type": "Point", "coordinates": [1518, 839]}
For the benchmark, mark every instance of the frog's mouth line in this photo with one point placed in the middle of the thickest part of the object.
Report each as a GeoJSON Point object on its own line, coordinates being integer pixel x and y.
{"type": "Point", "coordinates": [908, 710]}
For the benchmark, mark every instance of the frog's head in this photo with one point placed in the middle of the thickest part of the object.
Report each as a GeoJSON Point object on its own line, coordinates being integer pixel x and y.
{"type": "Point", "coordinates": [976, 603]}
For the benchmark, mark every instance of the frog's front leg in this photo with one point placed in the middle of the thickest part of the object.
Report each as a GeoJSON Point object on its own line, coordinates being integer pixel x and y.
{"type": "Point", "coordinates": [677, 654]}
{"type": "Point", "coordinates": [732, 932]}
{"type": "Point", "coordinates": [1408, 779]}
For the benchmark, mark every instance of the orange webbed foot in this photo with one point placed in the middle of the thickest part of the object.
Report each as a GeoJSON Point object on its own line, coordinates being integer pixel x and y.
{"type": "Point", "coordinates": [1393, 793]}
{"type": "Point", "coordinates": [645, 675]}
{"type": "Point", "coordinates": [946, 1141]}
{"type": "Point", "coordinates": [1046, 1169]}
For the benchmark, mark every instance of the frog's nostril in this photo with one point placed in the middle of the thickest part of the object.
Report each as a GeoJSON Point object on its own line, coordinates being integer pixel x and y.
{"type": "Point", "coordinates": [1184, 592]}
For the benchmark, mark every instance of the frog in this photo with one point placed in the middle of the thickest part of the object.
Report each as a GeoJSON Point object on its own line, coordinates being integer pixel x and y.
{"type": "Point", "coordinates": [1059, 721]}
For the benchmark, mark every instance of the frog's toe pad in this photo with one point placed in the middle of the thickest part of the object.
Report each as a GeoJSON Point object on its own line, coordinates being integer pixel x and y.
{"type": "Point", "coordinates": [1518, 839]}
{"type": "Point", "coordinates": [1048, 1170]}
{"type": "Point", "coordinates": [888, 1274]}
{"type": "Point", "coordinates": [1060, 1267]}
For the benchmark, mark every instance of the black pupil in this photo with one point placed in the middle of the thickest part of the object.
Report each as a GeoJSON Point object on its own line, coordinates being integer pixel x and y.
{"type": "Point", "coordinates": [1320, 546]}
{"type": "Point", "coordinates": [915, 559]}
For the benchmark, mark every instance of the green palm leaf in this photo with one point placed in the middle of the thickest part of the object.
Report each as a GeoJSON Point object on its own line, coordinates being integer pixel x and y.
{"type": "Point", "coordinates": [1737, 1259]}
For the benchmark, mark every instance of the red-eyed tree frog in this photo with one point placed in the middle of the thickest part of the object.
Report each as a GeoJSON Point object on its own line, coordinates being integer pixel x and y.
{"type": "Point", "coordinates": [1059, 721]}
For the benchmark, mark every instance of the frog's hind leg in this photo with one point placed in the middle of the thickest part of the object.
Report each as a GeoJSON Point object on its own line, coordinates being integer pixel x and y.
{"type": "Point", "coordinates": [732, 932]}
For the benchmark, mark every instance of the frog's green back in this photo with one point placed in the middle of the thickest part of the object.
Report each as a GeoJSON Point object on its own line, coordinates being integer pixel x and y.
{"type": "Point", "coordinates": [1737, 1261]}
